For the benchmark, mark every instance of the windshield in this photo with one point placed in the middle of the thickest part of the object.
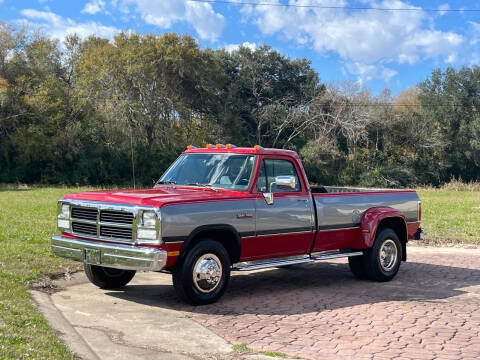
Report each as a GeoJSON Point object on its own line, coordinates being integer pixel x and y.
{"type": "Point", "coordinates": [229, 171]}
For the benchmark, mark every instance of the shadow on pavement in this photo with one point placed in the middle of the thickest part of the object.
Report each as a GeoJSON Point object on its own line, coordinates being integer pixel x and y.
{"type": "Point", "coordinates": [313, 288]}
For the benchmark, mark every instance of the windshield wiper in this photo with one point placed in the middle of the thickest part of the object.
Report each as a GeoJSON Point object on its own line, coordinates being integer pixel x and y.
{"type": "Point", "coordinates": [208, 186]}
{"type": "Point", "coordinates": [165, 182]}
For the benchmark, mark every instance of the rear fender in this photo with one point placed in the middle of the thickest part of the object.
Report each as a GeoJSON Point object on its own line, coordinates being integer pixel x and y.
{"type": "Point", "coordinates": [371, 220]}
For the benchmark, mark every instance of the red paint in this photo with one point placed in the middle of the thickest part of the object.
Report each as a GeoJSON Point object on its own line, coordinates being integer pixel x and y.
{"type": "Point", "coordinates": [161, 195]}
{"type": "Point", "coordinates": [369, 224]}
{"type": "Point", "coordinates": [279, 245]}
{"type": "Point", "coordinates": [244, 150]}
{"type": "Point", "coordinates": [336, 239]}
{"type": "Point", "coordinates": [412, 228]}
{"type": "Point", "coordinates": [356, 193]}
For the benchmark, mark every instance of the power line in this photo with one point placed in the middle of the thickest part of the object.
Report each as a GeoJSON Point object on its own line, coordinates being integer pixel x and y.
{"type": "Point", "coordinates": [331, 7]}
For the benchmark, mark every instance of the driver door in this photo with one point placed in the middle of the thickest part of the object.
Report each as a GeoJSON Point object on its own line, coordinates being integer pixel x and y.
{"type": "Point", "coordinates": [284, 228]}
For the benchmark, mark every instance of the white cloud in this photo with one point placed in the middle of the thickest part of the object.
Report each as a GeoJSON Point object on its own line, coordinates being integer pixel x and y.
{"type": "Point", "coordinates": [360, 38]}
{"type": "Point", "coordinates": [94, 7]}
{"type": "Point", "coordinates": [475, 30]}
{"type": "Point", "coordinates": [233, 47]}
{"type": "Point", "coordinates": [58, 27]}
{"type": "Point", "coordinates": [164, 13]}
{"type": "Point", "coordinates": [474, 41]}
{"type": "Point", "coordinates": [442, 9]}
{"type": "Point", "coordinates": [367, 72]}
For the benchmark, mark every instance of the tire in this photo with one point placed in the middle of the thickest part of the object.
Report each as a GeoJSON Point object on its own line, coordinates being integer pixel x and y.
{"type": "Point", "coordinates": [357, 267]}
{"type": "Point", "coordinates": [108, 278]}
{"type": "Point", "coordinates": [382, 260]}
{"type": "Point", "coordinates": [200, 288]}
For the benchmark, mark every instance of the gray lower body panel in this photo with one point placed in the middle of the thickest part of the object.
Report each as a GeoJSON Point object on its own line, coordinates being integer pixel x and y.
{"type": "Point", "coordinates": [118, 256]}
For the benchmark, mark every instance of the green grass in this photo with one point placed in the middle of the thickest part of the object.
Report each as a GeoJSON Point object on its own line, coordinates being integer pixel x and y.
{"type": "Point", "coordinates": [273, 354]}
{"type": "Point", "coordinates": [245, 349]}
{"type": "Point", "coordinates": [240, 348]}
{"type": "Point", "coordinates": [450, 216]}
{"type": "Point", "coordinates": [27, 221]}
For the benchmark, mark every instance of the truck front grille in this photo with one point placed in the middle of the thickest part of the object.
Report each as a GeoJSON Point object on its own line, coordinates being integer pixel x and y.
{"type": "Point", "coordinates": [84, 229]}
{"type": "Point", "coordinates": [84, 213]}
{"type": "Point", "coordinates": [113, 225]}
{"type": "Point", "coordinates": [119, 233]}
{"type": "Point", "coordinates": [118, 217]}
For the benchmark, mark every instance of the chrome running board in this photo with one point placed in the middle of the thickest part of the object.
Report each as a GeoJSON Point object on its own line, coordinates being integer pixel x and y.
{"type": "Point", "coordinates": [324, 255]}
{"type": "Point", "coordinates": [269, 263]}
{"type": "Point", "coordinates": [263, 264]}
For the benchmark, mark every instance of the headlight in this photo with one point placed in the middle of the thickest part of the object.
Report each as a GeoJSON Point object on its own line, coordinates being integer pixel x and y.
{"type": "Point", "coordinates": [149, 219]}
{"type": "Point", "coordinates": [64, 211]}
{"type": "Point", "coordinates": [149, 228]}
{"type": "Point", "coordinates": [63, 218]}
{"type": "Point", "coordinates": [147, 234]}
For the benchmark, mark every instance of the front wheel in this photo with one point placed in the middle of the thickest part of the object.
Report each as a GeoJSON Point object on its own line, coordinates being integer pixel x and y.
{"type": "Point", "coordinates": [108, 278]}
{"type": "Point", "coordinates": [202, 277]}
{"type": "Point", "coordinates": [383, 259]}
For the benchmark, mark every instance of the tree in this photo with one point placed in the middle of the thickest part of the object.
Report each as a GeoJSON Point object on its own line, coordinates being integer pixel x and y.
{"type": "Point", "coordinates": [451, 102]}
{"type": "Point", "coordinates": [263, 85]}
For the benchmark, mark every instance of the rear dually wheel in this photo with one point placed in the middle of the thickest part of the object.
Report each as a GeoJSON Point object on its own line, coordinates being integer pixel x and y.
{"type": "Point", "coordinates": [383, 259]}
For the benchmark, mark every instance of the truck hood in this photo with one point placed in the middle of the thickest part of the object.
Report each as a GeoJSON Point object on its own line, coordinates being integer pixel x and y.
{"type": "Point", "coordinates": [159, 196]}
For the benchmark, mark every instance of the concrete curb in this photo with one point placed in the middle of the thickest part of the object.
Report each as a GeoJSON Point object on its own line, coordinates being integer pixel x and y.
{"type": "Point", "coordinates": [73, 311]}
{"type": "Point", "coordinates": [66, 331]}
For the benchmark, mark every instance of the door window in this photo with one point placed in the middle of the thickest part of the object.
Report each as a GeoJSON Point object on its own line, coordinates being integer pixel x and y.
{"type": "Point", "coordinates": [272, 168]}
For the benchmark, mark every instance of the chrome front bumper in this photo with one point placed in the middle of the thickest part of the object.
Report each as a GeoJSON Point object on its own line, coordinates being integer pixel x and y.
{"type": "Point", "coordinates": [118, 256]}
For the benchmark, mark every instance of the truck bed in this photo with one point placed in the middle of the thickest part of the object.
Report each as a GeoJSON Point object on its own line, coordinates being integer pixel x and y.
{"type": "Point", "coordinates": [339, 211]}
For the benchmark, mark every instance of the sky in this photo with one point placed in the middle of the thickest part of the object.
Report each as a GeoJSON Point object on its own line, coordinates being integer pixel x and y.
{"type": "Point", "coordinates": [379, 49]}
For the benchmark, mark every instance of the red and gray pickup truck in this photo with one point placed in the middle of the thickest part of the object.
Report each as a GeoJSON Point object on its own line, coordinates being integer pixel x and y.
{"type": "Point", "coordinates": [224, 208]}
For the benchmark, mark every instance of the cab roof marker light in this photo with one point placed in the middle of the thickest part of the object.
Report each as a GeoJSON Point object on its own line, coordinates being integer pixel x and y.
{"type": "Point", "coordinates": [209, 146]}
{"type": "Point", "coordinates": [230, 146]}
{"type": "Point", "coordinates": [258, 147]}
{"type": "Point", "coordinates": [190, 147]}
{"type": "Point", "coordinates": [220, 146]}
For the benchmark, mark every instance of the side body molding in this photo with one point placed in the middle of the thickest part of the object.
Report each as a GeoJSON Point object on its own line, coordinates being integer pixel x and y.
{"type": "Point", "coordinates": [373, 217]}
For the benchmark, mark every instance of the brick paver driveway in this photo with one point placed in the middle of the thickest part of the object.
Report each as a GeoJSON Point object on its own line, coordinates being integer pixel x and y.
{"type": "Point", "coordinates": [319, 311]}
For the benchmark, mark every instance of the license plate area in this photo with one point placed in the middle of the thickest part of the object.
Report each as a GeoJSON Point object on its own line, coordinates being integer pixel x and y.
{"type": "Point", "coordinates": [92, 256]}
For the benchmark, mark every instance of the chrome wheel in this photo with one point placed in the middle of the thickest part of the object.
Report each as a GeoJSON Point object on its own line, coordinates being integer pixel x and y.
{"type": "Point", "coordinates": [388, 255]}
{"type": "Point", "coordinates": [207, 273]}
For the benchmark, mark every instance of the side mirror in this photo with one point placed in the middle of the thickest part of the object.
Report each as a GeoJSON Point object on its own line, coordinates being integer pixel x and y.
{"type": "Point", "coordinates": [284, 181]}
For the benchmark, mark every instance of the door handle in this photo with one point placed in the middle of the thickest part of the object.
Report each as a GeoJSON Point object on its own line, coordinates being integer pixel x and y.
{"type": "Point", "coordinates": [244, 216]}
{"type": "Point", "coordinates": [303, 200]}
